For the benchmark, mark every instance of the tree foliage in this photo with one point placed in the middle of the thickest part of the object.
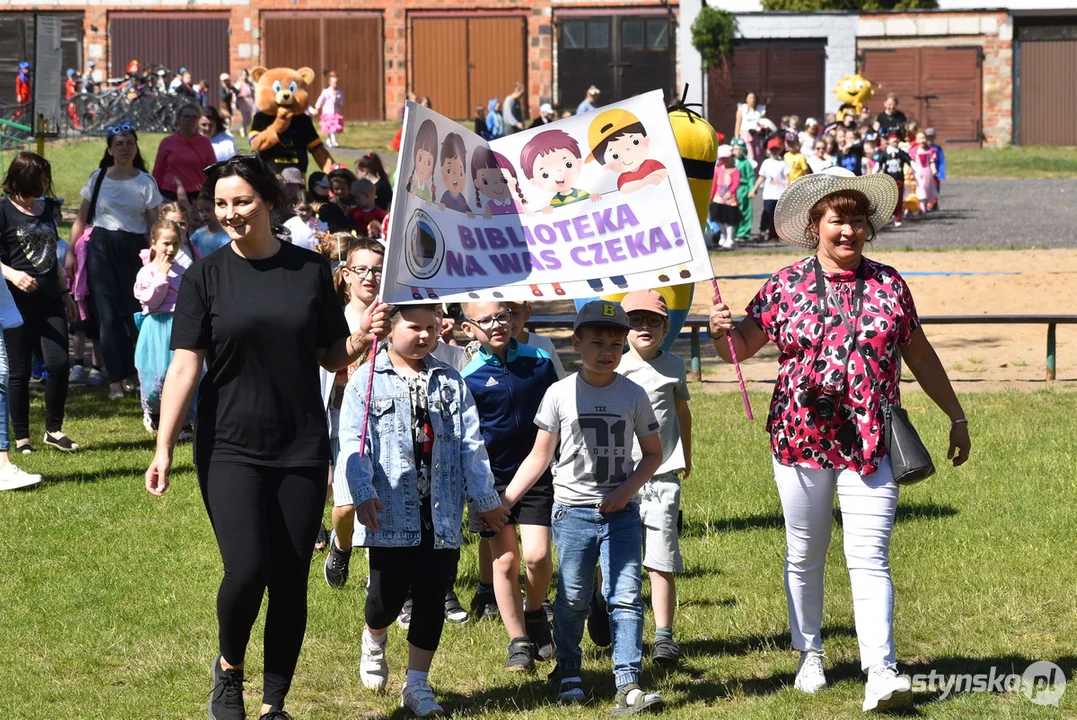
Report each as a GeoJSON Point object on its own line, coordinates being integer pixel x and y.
{"type": "Point", "coordinates": [712, 35]}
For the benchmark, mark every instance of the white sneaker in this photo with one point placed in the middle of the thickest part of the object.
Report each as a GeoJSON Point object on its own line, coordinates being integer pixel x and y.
{"type": "Point", "coordinates": [886, 690]}
{"type": "Point", "coordinates": [810, 677]}
{"type": "Point", "coordinates": [373, 670]}
{"type": "Point", "coordinates": [147, 422]}
{"type": "Point", "coordinates": [12, 478]}
{"type": "Point", "coordinates": [419, 700]}
{"type": "Point", "coordinates": [96, 378]}
{"type": "Point", "coordinates": [78, 373]}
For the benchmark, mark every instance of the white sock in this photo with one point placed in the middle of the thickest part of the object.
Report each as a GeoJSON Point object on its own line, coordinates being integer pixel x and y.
{"type": "Point", "coordinates": [373, 639]}
{"type": "Point", "coordinates": [418, 677]}
{"type": "Point", "coordinates": [730, 231]}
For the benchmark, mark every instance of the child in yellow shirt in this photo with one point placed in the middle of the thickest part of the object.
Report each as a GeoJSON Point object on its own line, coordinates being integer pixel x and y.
{"type": "Point", "coordinates": [795, 160]}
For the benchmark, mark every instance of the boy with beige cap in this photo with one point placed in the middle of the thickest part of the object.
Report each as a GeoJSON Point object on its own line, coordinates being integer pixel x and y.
{"type": "Point", "coordinates": [662, 375]}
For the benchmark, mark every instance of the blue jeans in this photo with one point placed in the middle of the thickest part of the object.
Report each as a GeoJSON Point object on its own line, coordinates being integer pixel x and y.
{"type": "Point", "coordinates": [584, 537]}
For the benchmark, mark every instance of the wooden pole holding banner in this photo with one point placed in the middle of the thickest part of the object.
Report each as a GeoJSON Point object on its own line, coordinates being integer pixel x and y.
{"type": "Point", "coordinates": [736, 362]}
{"type": "Point", "coordinates": [369, 389]}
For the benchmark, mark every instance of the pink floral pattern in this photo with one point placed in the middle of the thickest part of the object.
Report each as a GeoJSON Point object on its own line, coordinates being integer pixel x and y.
{"type": "Point", "coordinates": [785, 308]}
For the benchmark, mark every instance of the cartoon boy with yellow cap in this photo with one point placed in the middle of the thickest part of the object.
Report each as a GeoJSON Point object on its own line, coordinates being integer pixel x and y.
{"type": "Point", "coordinates": [619, 143]}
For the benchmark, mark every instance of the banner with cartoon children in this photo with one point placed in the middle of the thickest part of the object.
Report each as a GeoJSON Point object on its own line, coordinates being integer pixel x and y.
{"type": "Point", "coordinates": [590, 205]}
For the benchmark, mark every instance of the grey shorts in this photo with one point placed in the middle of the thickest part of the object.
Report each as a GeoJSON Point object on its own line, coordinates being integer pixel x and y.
{"type": "Point", "coordinates": [659, 508]}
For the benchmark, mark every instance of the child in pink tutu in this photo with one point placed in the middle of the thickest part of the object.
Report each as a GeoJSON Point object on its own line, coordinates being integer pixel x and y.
{"type": "Point", "coordinates": [925, 165]}
{"type": "Point", "coordinates": [329, 104]}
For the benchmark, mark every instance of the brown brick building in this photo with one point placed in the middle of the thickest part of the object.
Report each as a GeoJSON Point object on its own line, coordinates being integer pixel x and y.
{"type": "Point", "coordinates": [459, 52]}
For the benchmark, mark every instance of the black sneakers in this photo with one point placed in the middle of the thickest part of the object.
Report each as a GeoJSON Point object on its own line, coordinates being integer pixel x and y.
{"type": "Point", "coordinates": [226, 699]}
{"type": "Point", "coordinates": [335, 568]}
{"type": "Point", "coordinates": [538, 630]}
{"type": "Point", "coordinates": [521, 656]}
{"type": "Point", "coordinates": [484, 604]}
{"type": "Point", "coordinates": [598, 620]}
{"type": "Point", "coordinates": [665, 652]}
{"type": "Point", "coordinates": [454, 611]}
{"type": "Point", "coordinates": [276, 715]}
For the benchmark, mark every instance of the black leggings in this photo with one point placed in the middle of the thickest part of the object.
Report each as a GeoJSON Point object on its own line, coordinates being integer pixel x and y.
{"type": "Point", "coordinates": [44, 327]}
{"type": "Point", "coordinates": [422, 570]}
{"type": "Point", "coordinates": [113, 264]}
{"type": "Point", "coordinates": [265, 520]}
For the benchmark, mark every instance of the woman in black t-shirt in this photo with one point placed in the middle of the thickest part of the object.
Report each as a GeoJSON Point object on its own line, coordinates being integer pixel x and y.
{"type": "Point", "coordinates": [890, 119]}
{"type": "Point", "coordinates": [28, 250]}
{"type": "Point", "coordinates": [263, 316]}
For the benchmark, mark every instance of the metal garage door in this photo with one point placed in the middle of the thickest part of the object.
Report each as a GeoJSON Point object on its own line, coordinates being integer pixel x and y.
{"type": "Point", "coordinates": [463, 62]}
{"type": "Point", "coordinates": [789, 77]}
{"type": "Point", "coordinates": [939, 87]}
{"type": "Point", "coordinates": [1047, 84]}
{"type": "Point", "coordinates": [349, 44]}
{"type": "Point", "coordinates": [17, 44]}
{"type": "Point", "coordinates": [622, 55]}
{"type": "Point", "coordinates": [194, 40]}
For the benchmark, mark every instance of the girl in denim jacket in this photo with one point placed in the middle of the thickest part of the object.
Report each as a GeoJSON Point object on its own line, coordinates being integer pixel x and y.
{"type": "Point", "coordinates": [407, 485]}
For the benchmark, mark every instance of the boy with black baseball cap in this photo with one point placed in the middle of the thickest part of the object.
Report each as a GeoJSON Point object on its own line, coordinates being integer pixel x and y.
{"type": "Point", "coordinates": [592, 416]}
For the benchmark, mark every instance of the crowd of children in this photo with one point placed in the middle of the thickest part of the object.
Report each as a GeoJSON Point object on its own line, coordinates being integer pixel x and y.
{"type": "Point", "coordinates": [590, 463]}
{"type": "Point", "coordinates": [861, 144]}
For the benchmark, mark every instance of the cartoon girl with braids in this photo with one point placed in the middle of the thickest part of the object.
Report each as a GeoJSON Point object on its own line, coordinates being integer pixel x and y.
{"type": "Point", "coordinates": [421, 181]}
{"type": "Point", "coordinates": [495, 177]}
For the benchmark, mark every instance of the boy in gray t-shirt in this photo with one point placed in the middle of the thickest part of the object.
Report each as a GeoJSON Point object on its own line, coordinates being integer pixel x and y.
{"type": "Point", "coordinates": [661, 375]}
{"type": "Point", "coordinates": [592, 416]}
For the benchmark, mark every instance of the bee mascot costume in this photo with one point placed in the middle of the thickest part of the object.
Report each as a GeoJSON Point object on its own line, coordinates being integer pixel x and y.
{"type": "Point", "coordinates": [698, 145]}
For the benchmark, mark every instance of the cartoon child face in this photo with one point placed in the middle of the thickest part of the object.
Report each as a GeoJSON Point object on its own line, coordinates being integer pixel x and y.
{"type": "Point", "coordinates": [627, 152]}
{"type": "Point", "coordinates": [493, 183]}
{"type": "Point", "coordinates": [452, 175]}
{"type": "Point", "coordinates": [557, 172]}
{"type": "Point", "coordinates": [424, 166]}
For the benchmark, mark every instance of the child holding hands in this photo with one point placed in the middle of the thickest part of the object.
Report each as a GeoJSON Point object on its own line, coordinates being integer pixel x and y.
{"type": "Point", "coordinates": [593, 416]}
{"type": "Point", "coordinates": [423, 454]}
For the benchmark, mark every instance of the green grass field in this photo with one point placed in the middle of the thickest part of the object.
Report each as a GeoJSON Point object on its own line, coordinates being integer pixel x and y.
{"type": "Point", "coordinates": [1037, 161]}
{"type": "Point", "coordinates": [108, 594]}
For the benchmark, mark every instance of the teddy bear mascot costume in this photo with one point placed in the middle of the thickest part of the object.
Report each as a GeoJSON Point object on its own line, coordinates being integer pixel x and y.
{"type": "Point", "coordinates": [281, 131]}
{"type": "Point", "coordinates": [697, 142]}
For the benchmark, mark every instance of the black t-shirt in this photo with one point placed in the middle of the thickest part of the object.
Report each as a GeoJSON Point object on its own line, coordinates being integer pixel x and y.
{"type": "Point", "coordinates": [28, 243]}
{"type": "Point", "coordinates": [895, 122]}
{"type": "Point", "coordinates": [893, 162]}
{"type": "Point", "coordinates": [852, 159]}
{"type": "Point", "coordinates": [295, 142]}
{"type": "Point", "coordinates": [383, 194]}
{"type": "Point", "coordinates": [334, 218]}
{"type": "Point", "coordinates": [260, 323]}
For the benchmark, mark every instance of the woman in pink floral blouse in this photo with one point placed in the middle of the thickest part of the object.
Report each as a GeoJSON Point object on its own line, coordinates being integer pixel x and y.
{"type": "Point", "coordinates": [825, 422]}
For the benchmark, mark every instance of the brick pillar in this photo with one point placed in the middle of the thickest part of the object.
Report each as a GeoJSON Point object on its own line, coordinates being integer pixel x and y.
{"type": "Point", "coordinates": [396, 59]}
{"type": "Point", "coordinates": [539, 58]}
{"type": "Point", "coordinates": [998, 92]}
{"type": "Point", "coordinates": [95, 41]}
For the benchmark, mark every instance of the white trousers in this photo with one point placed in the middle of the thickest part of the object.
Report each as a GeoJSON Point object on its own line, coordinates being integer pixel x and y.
{"type": "Point", "coordinates": [868, 505]}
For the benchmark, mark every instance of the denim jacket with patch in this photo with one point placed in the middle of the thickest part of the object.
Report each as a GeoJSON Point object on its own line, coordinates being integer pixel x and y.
{"type": "Point", "coordinates": [459, 464]}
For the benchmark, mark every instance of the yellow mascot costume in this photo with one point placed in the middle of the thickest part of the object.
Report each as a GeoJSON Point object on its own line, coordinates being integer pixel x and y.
{"type": "Point", "coordinates": [698, 144]}
{"type": "Point", "coordinates": [853, 91]}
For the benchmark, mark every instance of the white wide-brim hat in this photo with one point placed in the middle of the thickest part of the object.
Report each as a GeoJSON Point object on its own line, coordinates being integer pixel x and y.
{"type": "Point", "coordinates": [791, 215]}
